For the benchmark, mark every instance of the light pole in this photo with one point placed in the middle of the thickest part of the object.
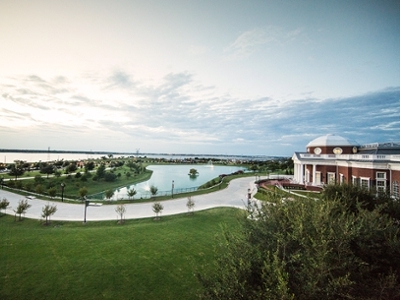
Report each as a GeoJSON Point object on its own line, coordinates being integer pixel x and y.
{"type": "Point", "coordinates": [172, 190]}
{"type": "Point", "coordinates": [62, 191]}
{"type": "Point", "coordinates": [86, 205]}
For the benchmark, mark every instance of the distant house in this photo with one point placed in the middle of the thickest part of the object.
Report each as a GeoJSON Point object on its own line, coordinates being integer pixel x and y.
{"type": "Point", "coordinates": [332, 158]}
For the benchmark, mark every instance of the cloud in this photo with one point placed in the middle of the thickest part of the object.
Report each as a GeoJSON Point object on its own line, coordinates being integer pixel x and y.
{"type": "Point", "coordinates": [252, 40]}
{"type": "Point", "coordinates": [178, 113]}
{"type": "Point", "coordinates": [247, 43]}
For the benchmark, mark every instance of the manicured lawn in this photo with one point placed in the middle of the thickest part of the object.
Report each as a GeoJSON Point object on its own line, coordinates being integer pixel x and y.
{"type": "Point", "coordinates": [142, 259]}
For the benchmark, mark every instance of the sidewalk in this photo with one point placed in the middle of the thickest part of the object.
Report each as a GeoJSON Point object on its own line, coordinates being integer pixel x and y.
{"type": "Point", "coordinates": [233, 196]}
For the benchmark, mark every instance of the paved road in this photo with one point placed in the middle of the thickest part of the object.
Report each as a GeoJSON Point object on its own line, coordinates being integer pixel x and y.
{"type": "Point", "coordinates": [233, 196]}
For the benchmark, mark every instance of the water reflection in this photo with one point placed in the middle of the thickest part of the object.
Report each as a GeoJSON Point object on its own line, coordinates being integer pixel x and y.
{"type": "Point", "coordinates": [163, 175]}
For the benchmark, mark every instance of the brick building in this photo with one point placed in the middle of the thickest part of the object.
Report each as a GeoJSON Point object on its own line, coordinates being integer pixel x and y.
{"type": "Point", "coordinates": [332, 158]}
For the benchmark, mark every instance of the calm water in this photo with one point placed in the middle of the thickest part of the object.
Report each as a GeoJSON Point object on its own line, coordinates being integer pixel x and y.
{"type": "Point", "coordinates": [163, 175]}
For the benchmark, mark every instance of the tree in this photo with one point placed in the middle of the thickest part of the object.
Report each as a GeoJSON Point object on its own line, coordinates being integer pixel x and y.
{"type": "Point", "coordinates": [109, 176]}
{"type": "Point", "coordinates": [190, 204]}
{"type": "Point", "coordinates": [153, 190]}
{"type": "Point", "coordinates": [157, 208]}
{"type": "Point", "coordinates": [101, 170]}
{"type": "Point", "coordinates": [89, 166]}
{"type": "Point", "coordinates": [47, 211]}
{"type": "Point", "coordinates": [131, 193]}
{"type": "Point", "coordinates": [29, 186]}
{"type": "Point", "coordinates": [120, 210]}
{"type": "Point", "coordinates": [47, 169]}
{"type": "Point", "coordinates": [39, 189]}
{"type": "Point", "coordinates": [16, 170]}
{"type": "Point", "coordinates": [310, 249]}
{"type": "Point", "coordinates": [193, 172]}
{"type": "Point", "coordinates": [52, 192]}
{"type": "Point", "coordinates": [72, 167]}
{"type": "Point", "coordinates": [109, 194]}
{"type": "Point", "coordinates": [38, 179]}
{"type": "Point", "coordinates": [83, 191]}
{"type": "Point", "coordinates": [4, 204]}
{"type": "Point", "coordinates": [22, 207]}
{"type": "Point", "coordinates": [18, 184]}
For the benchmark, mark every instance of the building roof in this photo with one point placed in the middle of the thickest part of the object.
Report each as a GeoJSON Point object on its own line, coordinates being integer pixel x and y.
{"type": "Point", "coordinates": [330, 140]}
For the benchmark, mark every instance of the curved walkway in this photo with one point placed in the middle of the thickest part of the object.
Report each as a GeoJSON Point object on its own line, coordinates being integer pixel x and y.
{"type": "Point", "coordinates": [234, 195]}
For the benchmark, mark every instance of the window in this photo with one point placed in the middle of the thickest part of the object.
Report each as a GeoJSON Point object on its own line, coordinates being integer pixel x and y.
{"type": "Point", "coordinates": [355, 181]}
{"type": "Point", "coordinates": [364, 182]}
{"type": "Point", "coordinates": [396, 189]}
{"type": "Point", "coordinates": [381, 186]}
{"type": "Point", "coordinates": [331, 177]}
{"type": "Point", "coordinates": [341, 179]}
{"type": "Point", "coordinates": [381, 175]}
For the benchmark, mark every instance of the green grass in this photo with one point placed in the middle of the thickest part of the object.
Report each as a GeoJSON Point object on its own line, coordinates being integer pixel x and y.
{"type": "Point", "coordinates": [142, 259]}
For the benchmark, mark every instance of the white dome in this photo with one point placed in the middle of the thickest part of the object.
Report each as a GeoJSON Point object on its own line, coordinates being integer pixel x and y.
{"type": "Point", "coordinates": [329, 140]}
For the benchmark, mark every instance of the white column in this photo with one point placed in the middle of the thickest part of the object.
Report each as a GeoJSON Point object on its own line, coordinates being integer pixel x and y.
{"type": "Point", "coordinates": [314, 167]}
{"type": "Point", "coordinates": [301, 181]}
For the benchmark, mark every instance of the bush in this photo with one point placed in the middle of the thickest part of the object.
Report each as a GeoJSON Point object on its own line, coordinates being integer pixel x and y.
{"type": "Point", "coordinates": [108, 176]}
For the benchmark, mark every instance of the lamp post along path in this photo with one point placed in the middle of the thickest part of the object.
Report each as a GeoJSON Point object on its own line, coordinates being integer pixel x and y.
{"type": "Point", "coordinates": [62, 191]}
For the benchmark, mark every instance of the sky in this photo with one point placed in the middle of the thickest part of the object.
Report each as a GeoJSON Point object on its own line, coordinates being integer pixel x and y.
{"type": "Point", "coordinates": [197, 76]}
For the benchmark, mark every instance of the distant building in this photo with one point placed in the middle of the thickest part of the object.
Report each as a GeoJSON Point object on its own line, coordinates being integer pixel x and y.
{"type": "Point", "coordinates": [332, 158]}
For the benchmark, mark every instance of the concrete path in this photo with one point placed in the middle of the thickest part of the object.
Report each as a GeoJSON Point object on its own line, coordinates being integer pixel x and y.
{"type": "Point", "coordinates": [233, 196]}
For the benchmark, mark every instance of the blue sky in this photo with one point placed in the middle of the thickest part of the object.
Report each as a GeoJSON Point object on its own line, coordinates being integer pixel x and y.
{"type": "Point", "coordinates": [221, 77]}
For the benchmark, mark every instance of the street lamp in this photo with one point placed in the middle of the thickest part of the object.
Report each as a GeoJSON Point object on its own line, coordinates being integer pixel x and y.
{"type": "Point", "coordinates": [86, 205]}
{"type": "Point", "coordinates": [172, 190]}
{"type": "Point", "coordinates": [62, 191]}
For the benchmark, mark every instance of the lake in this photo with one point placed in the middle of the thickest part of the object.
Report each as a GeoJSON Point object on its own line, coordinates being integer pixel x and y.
{"type": "Point", "coordinates": [166, 176]}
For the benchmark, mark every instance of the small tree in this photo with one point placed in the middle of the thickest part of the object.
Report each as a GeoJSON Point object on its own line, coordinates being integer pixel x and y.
{"type": "Point", "coordinates": [47, 211]}
{"type": "Point", "coordinates": [18, 184]}
{"type": "Point", "coordinates": [4, 204]}
{"type": "Point", "coordinates": [109, 193]}
{"type": "Point", "coordinates": [52, 192]}
{"type": "Point", "coordinates": [38, 179]}
{"type": "Point", "coordinates": [131, 193]}
{"type": "Point", "coordinates": [190, 205]}
{"type": "Point", "coordinates": [39, 189]}
{"type": "Point", "coordinates": [153, 190]}
{"type": "Point", "coordinates": [157, 208]}
{"type": "Point", "coordinates": [193, 172]}
{"type": "Point", "coordinates": [120, 210]}
{"type": "Point", "coordinates": [22, 207]}
{"type": "Point", "coordinates": [29, 186]}
{"type": "Point", "coordinates": [83, 191]}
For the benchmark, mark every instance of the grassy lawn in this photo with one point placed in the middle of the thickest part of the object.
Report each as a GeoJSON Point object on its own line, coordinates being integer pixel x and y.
{"type": "Point", "coordinates": [141, 259]}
